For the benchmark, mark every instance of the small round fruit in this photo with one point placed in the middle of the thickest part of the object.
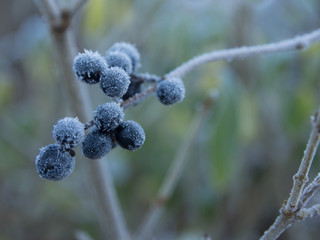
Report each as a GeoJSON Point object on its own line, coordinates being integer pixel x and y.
{"type": "Point", "coordinates": [54, 163]}
{"type": "Point", "coordinates": [130, 135]}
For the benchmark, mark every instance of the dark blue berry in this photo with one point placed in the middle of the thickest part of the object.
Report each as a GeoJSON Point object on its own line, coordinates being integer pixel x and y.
{"type": "Point", "coordinates": [68, 132]}
{"type": "Point", "coordinates": [114, 82]}
{"type": "Point", "coordinates": [119, 59]}
{"type": "Point", "coordinates": [133, 89]}
{"type": "Point", "coordinates": [128, 49]}
{"type": "Point", "coordinates": [54, 163]}
{"type": "Point", "coordinates": [130, 135]}
{"type": "Point", "coordinates": [88, 66]}
{"type": "Point", "coordinates": [170, 91]}
{"type": "Point", "coordinates": [108, 116]}
{"type": "Point", "coordinates": [96, 144]}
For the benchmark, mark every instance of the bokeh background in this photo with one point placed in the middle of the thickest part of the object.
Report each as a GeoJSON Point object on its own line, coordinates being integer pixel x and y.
{"type": "Point", "coordinates": [240, 167]}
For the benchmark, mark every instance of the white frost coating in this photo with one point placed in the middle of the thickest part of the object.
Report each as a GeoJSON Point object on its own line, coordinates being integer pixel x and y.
{"type": "Point", "coordinates": [298, 42]}
{"type": "Point", "coordinates": [96, 144]}
{"type": "Point", "coordinates": [114, 82]}
{"type": "Point", "coordinates": [128, 49]}
{"type": "Point", "coordinates": [119, 59]}
{"type": "Point", "coordinates": [170, 91]}
{"type": "Point", "coordinates": [88, 66]}
{"type": "Point", "coordinates": [53, 163]}
{"type": "Point", "coordinates": [108, 116]}
{"type": "Point", "coordinates": [68, 132]}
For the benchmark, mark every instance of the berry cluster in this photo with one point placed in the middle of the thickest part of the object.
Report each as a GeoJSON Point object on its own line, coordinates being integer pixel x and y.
{"type": "Point", "coordinates": [116, 74]}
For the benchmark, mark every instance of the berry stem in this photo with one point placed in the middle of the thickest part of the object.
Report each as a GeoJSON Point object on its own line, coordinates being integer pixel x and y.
{"type": "Point", "coordinates": [146, 77]}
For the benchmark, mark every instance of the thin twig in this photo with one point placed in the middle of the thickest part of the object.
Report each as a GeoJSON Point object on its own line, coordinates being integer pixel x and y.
{"type": "Point", "coordinates": [311, 212]}
{"type": "Point", "coordinates": [138, 97]}
{"type": "Point", "coordinates": [309, 191]}
{"type": "Point", "coordinates": [301, 177]}
{"type": "Point", "coordinates": [99, 176]}
{"type": "Point", "coordinates": [296, 43]}
{"type": "Point", "coordinates": [281, 223]}
{"type": "Point", "coordinates": [290, 211]}
{"type": "Point", "coordinates": [174, 173]}
{"type": "Point", "coordinates": [147, 77]}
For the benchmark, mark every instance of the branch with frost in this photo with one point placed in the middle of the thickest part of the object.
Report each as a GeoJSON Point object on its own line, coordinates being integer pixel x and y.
{"type": "Point", "coordinates": [296, 43]}
{"type": "Point", "coordinates": [99, 176]}
{"type": "Point", "coordinates": [292, 44]}
{"type": "Point", "coordinates": [309, 191]}
{"type": "Point", "coordinates": [290, 212]}
{"type": "Point", "coordinates": [301, 177]}
{"type": "Point", "coordinates": [175, 171]}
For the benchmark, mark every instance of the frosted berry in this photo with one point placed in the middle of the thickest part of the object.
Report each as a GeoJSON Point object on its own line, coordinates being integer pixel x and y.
{"type": "Point", "coordinates": [128, 49]}
{"type": "Point", "coordinates": [130, 135]}
{"type": "Point", "coordinates": [119, 59]}
{"type": "Point", "coordinates": [114, 82]}
{"type": "Point", "coordinates": [88, 66]}
{"type": "Point", "coordinates": [96, 144]}
{"type": "Point", "coordinates": [108, 116]}
{"type": "Point", "coordinates": [170, 91]}
{"type": "Point", "coordinates": [54, 163]}
{"type": "Point", "coordinates": [68, 132]}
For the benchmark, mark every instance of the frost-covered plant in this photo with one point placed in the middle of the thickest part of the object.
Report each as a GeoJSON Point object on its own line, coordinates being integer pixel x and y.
{"type": "Point", "coordinates": [59, 19]}
{"type": "Point", "coordinates": [130, 135]}
{"type": "Point", "coordinates": [88, 66]}
{"type": "Point", "coordinates": [170, 91]}
{"type": "Point", "coordinates": [96, 144]}
{"type": "Point", "coordinates": [114, 82]}
{"type": "Point", "coordinates": [108, 116]}
{"type": "Point", "coordinates": [128, 49]}
{"type": "Point", "coordinates": [68, 132]}
{"type": "Point", "coordinates": [57, 161]}
{"type": "Point", "coordinates": [119, 59]}
{"type": "Point", "coordinates": [54, 162]}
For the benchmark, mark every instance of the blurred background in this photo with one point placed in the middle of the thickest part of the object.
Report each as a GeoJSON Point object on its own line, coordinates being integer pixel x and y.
{"type": "Point", "coordinates": [239, 169]}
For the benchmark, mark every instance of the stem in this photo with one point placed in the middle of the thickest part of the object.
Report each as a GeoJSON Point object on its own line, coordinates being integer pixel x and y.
{"type": "Point", "coordinates": [301, 177]}
{"type": "Point", "coordinates": [296, 43]}
{"type": "Point", "coordinates": [174, 173]}
{"type": "Point", "coordinates": [290, 212]}
{"type": "Point", "coordinates": [309, 191]}
{"type": "Point", "coordinates": [314, 211]}
{"type": "Point", "coordinates": [99, 176]}
{"type": "Point", "coordinates": [277, 228]}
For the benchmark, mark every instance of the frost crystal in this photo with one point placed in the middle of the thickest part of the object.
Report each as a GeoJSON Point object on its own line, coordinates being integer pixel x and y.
{"type": "Point", "coordinates": [114, 82]}
{"type": "Point", "coordinates": [68, 132]}
{"type": "Point", "coordinates": [128, 49]}
{"type": "Point", "coordinates": [53, 163]}
{"type": "Point", "coordinates": [119, 59]}
{"type": "Point", "coordinates": [130, 135]}
{"type": "Point", "coordinates": [108, 116]}
{"type": "Point", "coordinates": [170, 91]}
{"type": "Point", "coordinates": [88, 66]}
{"type": "Point", "coordinates": [96, 144]}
